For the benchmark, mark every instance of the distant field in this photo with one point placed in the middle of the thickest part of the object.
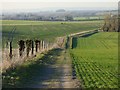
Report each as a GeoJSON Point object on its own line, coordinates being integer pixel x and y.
{"type": "Point", "coordinates": [96, 60]}
{"type": "Point", "coordinates": [88, 18]}
{"type": "Point", "coordinates": [45, 30]}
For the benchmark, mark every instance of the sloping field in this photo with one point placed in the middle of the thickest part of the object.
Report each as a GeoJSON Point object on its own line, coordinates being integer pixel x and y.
{"type": "Point", "coordinates": [95, 60]}
{"type": "Point", "coordinates": [44, 30]}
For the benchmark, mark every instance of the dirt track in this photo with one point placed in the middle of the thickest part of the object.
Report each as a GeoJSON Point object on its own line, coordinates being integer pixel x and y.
{"type": "Point", "coordinates": [57, 75]}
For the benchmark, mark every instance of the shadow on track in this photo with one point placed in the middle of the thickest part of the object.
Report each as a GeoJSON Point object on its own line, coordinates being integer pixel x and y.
{"type": "Point", "coordinates": [33, 73]}
{"type": "Point", "coordinates": [89, 34]}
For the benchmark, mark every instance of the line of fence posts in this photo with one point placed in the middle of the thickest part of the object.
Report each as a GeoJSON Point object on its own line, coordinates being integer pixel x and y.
{"type": "Point", "coordinates": [39, 45]}
{"type": "Point", "coordinates": [29, 45]}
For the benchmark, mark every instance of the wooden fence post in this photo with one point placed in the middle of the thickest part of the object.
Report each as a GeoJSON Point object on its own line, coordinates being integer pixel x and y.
{"type": "Point", "coordinates": [32, 47]}
{"type": "Point", "coordinates": [10, 53]}
{"type": "Point", "coordinates": [21, 47]}
{"type": "Point", "coordinates": [28, 46]}
{"type": "Point", "coordinates": [47, 46]}
{"type": "Point", "coordinates": [37, 45]}
{"type": "Point", "coordinates": [43, 45]}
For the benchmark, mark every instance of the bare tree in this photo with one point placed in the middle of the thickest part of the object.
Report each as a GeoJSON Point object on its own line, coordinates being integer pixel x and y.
{"type": "Point", "coordinates": [110, 23]}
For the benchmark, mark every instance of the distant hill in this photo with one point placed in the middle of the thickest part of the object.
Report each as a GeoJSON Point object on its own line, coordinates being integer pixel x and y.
{"type": "Point", "coordinates": [60, 10]}
{"type": "Point", "coordinates": [114, 12]}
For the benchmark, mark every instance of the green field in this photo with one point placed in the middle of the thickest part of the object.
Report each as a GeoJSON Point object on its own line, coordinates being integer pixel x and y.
{"type": "Point", "coordinates": [45, 30]}
{"type": "Point", "coordinates": [95, 60]}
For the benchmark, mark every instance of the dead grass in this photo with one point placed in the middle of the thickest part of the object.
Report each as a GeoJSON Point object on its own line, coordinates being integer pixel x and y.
{"type": "Point", "coordinates": [17, 60]}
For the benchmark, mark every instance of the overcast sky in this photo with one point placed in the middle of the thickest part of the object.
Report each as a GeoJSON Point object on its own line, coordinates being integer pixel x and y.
{"type": "Point", "coordinates": [59, 0]}
{"type": "Point", "coordinates": [42, 4]}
